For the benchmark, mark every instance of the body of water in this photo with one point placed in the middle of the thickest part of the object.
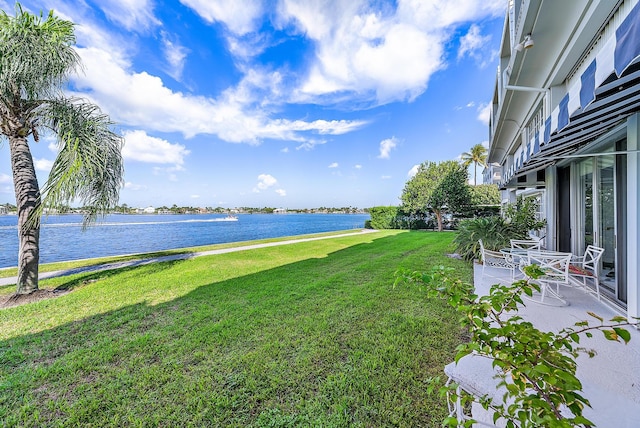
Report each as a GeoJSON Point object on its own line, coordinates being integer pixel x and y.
{"type": "Point", "coordinates": [62, 238]}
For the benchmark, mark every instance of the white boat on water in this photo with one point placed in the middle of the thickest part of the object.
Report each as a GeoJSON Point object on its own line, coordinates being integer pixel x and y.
{"type": "Point", "coordinates": [227, 218]}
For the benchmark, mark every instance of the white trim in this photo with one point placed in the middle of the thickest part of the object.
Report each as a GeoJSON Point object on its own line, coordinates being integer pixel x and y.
{"type": "Point", "coordinates": [633, 219]}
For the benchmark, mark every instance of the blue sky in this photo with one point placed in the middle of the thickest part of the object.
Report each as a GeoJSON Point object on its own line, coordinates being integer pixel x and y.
{"type": "Point", "coordinates": [280, 103]}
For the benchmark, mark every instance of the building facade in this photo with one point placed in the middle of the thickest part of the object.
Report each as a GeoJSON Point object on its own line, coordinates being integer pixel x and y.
{"type": "Point", "coordinates": [565, 128]}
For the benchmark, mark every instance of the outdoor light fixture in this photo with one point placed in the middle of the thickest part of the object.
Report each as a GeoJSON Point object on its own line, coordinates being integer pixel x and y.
{"type": "Point", "coordinates": [525, 44]}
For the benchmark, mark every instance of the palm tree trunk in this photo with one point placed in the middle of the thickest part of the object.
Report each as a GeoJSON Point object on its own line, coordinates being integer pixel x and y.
{"type": "Point", "coordinates": [27, 197]}
{"type": "Point", "coordinates": [475, 173]}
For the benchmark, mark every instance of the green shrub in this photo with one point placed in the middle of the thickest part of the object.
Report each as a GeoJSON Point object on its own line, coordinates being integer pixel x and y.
{"type": "Point", "coordinates": [522, 218]}
{"type": "Point", "coordinates": [386, 217]}
{"type": "Point", "coordinates": [494, 232]}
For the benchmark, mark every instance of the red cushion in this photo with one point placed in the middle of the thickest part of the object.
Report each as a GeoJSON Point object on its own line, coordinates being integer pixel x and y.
{"type": "Point", "coordinates": [577, 270]}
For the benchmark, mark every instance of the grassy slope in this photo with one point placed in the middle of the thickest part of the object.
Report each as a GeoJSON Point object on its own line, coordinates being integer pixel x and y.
{"type": "Point", "coordinates": [310, 334]}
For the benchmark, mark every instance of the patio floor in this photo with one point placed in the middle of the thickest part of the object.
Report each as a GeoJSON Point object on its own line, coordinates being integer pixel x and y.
{"type": "Point", "coordinates": [611, 379]}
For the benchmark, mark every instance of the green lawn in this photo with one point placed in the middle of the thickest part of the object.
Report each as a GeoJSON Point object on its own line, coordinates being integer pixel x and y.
{"type": "Point", "coordinates": [309, 334]}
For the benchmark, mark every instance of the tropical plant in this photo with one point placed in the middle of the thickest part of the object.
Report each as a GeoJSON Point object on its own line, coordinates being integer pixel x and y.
{"type": "Point", "coordinates": [494, 232]}
{"type": "Point", "coordinates": [36, 59]}
{"type": "Point", "coordinates": [441, 187]}
{"type": "Point", "coordinates": [518, 220]}
{"type": "Point", "coordinates": [477, 155]}
{"type": "Point", "coordinates": [537, 369]}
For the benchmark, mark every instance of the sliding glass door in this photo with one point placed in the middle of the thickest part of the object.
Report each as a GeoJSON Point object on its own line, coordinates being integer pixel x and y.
{"type": "Point", "coordinates": [601, 214]}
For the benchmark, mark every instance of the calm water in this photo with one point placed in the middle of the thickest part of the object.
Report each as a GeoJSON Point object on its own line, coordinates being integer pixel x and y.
{"type": "Point", "coordinates": [62, 238]}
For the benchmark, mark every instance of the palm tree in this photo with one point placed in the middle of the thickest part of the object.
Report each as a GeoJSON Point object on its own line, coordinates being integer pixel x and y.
{"type": "Point", "coordinates": [36, 59]}
{"type": "Point", "coordinates": [478, 156]}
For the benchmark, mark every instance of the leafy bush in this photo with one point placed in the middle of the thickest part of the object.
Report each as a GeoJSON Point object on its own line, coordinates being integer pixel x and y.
{"type": "Point", "coordinates": [396, 218]}
{"type": "Point", "coordinates": [521, 216]}
{"type": "Point", "coordinates": [386, 217]}
{"type": "Point", "coordinates": [494, 232]}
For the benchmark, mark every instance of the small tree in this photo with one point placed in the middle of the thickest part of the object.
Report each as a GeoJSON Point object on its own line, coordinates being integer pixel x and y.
{"type": "Point", "coordinates": [522, 217]}
{"type": "Point", "coordinates": [441, 187]}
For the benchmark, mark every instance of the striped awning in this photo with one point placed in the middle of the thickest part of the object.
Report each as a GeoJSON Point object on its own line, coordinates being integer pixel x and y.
{"type": "Point", "coordinates": [578, 105]}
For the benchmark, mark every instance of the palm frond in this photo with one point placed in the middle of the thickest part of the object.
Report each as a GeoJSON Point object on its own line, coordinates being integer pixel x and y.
{"type": "Point", "coordinates": [89, 165]}
{"type": "Point", "coordinates": [36, 55]}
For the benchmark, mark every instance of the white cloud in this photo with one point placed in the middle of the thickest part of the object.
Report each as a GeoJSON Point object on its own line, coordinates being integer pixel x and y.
{"type": "Point", "coordinates": [134, 15]}
{"type": "Point", "coordinates": [43, 164]}
{"type": "Point", "coordinates": [386, 146]}
{"type": "Point", "coordinates": [285, 150]}
{"type": "Point", "coordinates": [471, 42]}
{"type": "Point", "coordinates": [142, 100]}
{"type": "Point", "coordinates": [195, 196]}
{"type": "Point", "coordinates": [240, 17]}
{"type": "Point", "coordinates": [413, 171]}
{"type": "Point", "coordinates": [357, 166]}
{"type": "Point", "coordinates": [377, 54]}
{"type": "Point", "coordinates": [281, 192]}
{"type": "Point", "coordinates": [143, 148]}
{"type": "Point", "coordinates": [175, 55]}
{"type": "Point", "coordinates": [4, 178]}
{"type": "Point", "coordinates": [311, 144]}
{"type": "Point", "coordinates": [265, 181]}
{"type": "Point", "coordinates": [135, 187]}
{"type": "Point", "coordinates": [484, 113]}
{"type": "Point", "coordinates": [333, 165]}
{"type": "Point", "coordinates": [385, 177]}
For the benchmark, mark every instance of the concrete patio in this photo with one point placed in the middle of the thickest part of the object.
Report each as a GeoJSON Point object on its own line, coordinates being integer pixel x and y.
{"type": "Point", "coordinates": [611, 379]}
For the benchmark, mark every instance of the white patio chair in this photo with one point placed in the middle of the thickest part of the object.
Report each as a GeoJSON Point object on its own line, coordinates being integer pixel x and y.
{"type": "Point", "coordinates": [587, 267]}
{"type": "Point", "coordinates": [525, 244]}
{"type": "Point", "coordinates": [556, 272]}
{"type": "Point", "coordinates": [496, 259]}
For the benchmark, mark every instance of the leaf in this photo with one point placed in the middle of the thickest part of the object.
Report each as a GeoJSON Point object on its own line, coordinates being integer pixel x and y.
{"type": "Point", "coordinates": [595, 316]}
{"type": "Point", "coordinates": [610, 335]}
{"type": "Point", "coordinates": [623, 334]}
{"type": "Point", "coordinates": [618, 318]}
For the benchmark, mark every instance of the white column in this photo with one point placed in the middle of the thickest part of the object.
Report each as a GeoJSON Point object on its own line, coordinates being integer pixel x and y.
{"type": "Point", "coordinates": [551, 207]}
{"type": "Point", "coordinates": [633, 220]}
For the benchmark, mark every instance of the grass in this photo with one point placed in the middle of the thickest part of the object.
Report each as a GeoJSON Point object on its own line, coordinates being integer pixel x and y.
{"type": "Point", "coordinates": [50, 267]}
{"type": "Point", "coordinates": [308, 334]}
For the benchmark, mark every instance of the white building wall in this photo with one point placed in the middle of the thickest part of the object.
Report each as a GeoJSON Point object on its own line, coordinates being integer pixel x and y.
{"type": "Point", "coordinates": [633, 220]}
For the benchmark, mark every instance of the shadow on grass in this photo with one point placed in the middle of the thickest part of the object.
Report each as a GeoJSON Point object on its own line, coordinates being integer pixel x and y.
{"type": "Point", "coordinates": [83, 279]}
{"type": "Point", "coordinates": [319, 342]}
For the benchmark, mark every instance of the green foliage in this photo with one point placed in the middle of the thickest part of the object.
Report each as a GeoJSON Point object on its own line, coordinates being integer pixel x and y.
{"type": "Point", "coordinates": [521, 216]}
{"type": "Point", "coordinates": [485, 194]}
{"type": "Point", "coordinates": [494, 232]}
{"type": "Point", "coordinates": [385, 217]}
{"type": "Point", "coordinates": [536, 368]}
{"type": "Point", "coordinates": [439, 187]}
